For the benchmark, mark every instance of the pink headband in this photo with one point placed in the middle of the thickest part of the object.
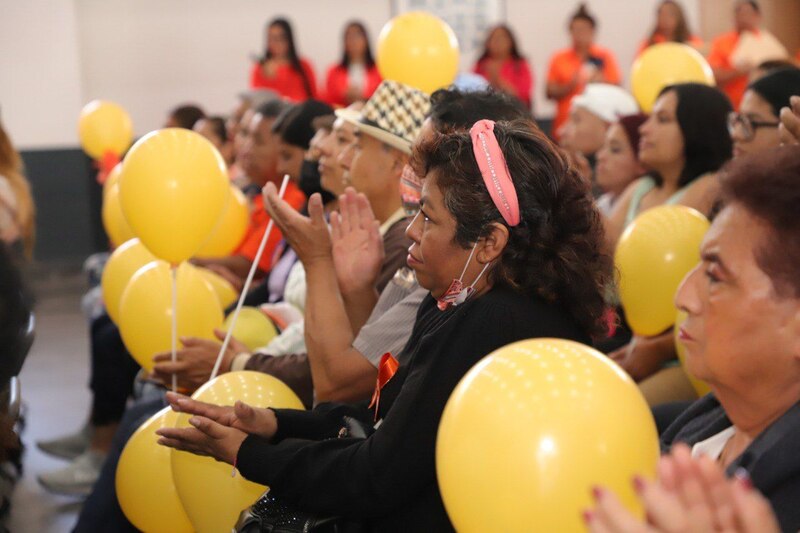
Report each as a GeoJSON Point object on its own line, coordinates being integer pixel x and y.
{"type": "Point", "coordinates": [494, 170]}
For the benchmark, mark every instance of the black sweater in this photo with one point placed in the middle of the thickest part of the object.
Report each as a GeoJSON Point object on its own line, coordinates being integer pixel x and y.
{"type": "Point", "coordinates": [772, 459]}
{"type": "Point", "coordinates": [388, 480]}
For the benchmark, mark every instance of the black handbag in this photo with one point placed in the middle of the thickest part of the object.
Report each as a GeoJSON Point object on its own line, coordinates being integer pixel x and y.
{"type": "Point", "coordinates": [270, 515]}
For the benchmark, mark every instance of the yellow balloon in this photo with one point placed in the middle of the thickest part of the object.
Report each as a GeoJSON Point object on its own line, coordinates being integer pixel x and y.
{"type": "Point", "coordinates": [230, 230]}
{"type": "Point", "coordinates": [222, 287]}
{"type": "Point", "coordinates": [145, 489]}
{"type": "Point", "coordinates": [666, 64]}
{"type": "Point", "coordinates": [114, 221]}
{"type": "Point", "coordinates": [112, 179]}
{"type": "Point", "coordinates": [145, 310]}
{"type": "Point", "coordinates": [700, 386]}
{"type": "Point", "coordinates": [173, 190]}
{"type": "Point", "coordinates": [104, 127]}
{"type": "Point", "coordinates": [120, 268]}
{"type": "Point", "coordinates": [418, 49]}
{"type": "Point", "coordinates": [253, 328]}
{"type": "Point", "coordinates": [211, 497]}
{"type": "Point", "coordinates": [531, 429]}
{"type": "Point", "coordinates": [653, 255]}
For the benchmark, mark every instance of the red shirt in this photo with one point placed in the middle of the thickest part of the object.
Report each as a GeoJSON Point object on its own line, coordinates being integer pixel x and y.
{"type": "Point", "coordinates": [514, 71]}
{"type": "Point", "coordinates": [287, 81]}
{"type": "Point", "coordinates": [565, 64]}
{"type": "Point", "coordinates": [259, 220]}
{"type": "Point", "coordinates": [337, 83]}
{"type": "Point", "coordinates": [694, 41]}
{"type": "Point", "coordinates": [720, 57]}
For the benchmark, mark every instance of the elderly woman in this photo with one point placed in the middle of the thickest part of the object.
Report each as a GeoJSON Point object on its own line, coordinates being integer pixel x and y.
{"type": "Point", "coordinates": [742, 336]}
{"type": "Point", "coordinates": [499, 203]}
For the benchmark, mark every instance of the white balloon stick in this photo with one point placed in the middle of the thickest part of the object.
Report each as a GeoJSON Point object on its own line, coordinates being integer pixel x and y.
{"type": "Point", "coordinates": [246, 287]}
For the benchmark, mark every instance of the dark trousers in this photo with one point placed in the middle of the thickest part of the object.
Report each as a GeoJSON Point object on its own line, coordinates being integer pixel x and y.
{"type": "Point", "coordinates": [101, 511]}
{"type": "Point", "coordinates": [113, 371]}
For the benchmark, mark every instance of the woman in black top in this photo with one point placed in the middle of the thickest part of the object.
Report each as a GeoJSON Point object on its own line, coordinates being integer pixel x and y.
{"type": "Point", "coordinates": [530, 251]}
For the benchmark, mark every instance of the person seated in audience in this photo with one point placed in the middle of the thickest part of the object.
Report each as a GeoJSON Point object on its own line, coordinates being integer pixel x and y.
{"type": "Point", "coordinates": [259, 159]}
{"type": "Point", "coordinates": [684, 143]}
{"type": "Point", "coordinates": [356, 76]}
{"type": "Point", "coordinates": [741, 337]}
{"type": "Point", "coordinates": [506, 256]}
{"type": "Point", "coordinates": [113, 370]}
{"type": "Point", "coordinates": [504, 67]}
{"type": "Point", "coordinates": [592, 112]}
{"type": "Point", "coordinates": [671, 27]}
{"type": "Point", "coordinates": [281, 68]}
{"type": "Point", "coordinates": [184, 116]}
{"type": "Point", "coordinates": [755, 126]}
{"type": "Point", "coordinates": [213, 129]}
{"type": "Point", "coordinates": [618, 163]}
{"type": "Point", "coordinates": [17, 210]}
{"type": "Point", "coordinates": [295, 132]}
{"type": "Point", "coordinates": [571, 69]}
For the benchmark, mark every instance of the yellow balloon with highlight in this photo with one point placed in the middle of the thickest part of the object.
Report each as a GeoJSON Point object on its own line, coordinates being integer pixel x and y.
{"type": "Point", "coordinates": [104, 127]}
{"type": "Point", "coordinates": [120, 268]}
{"type": "Point", "coordinates": [222, 287]}
{"type": "Point", "coordinates": [418, 49]}
{"type": "Point", "coordinates": [174, 188]}
{"type": "Point", "coordinates": [666, 64]}
{"type": "Point", "coordinates": [701, 387]}
{"type": "Point", "coordinates": [145, 489]}
{"type": "Point", "coordinates": [114, 221]}
{"type": "Point", "coordinates": [146, 310]}
{"type": "Point", "coordinates": [212, 497]}
{"type": "Point", "coordinates": [531, 429]}
{"type": "Point", "coordinates": [653, 255]}
{"type": "Point", "coordinates": [230, 230]}
{"type": "Point", "coordinates": [112, 179]}
{"type": "Point", "coordinates": [253, 328]}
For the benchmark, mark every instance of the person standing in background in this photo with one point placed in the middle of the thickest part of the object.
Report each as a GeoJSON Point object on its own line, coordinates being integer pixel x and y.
{"type": "Point", "coordinates": [17, 212]}
{"type": "Point", "coordinates": [356, 76]}
{"type": "Point", "coordinates": [732, 76]}
{"type": "Point", "coordinates": [671, 26]}
{"type": "Point", "coordinates": [281, 68]}
{"type": "Point", "coordinates": [572, 68]}
{"type": "Point", "coordinates": [504, 67]}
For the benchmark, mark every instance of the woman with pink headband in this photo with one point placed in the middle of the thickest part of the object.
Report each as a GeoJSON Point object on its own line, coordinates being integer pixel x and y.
{"type": "Point", "coordinates": [508, 242]}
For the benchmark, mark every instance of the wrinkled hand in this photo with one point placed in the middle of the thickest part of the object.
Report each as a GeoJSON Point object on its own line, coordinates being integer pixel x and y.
{"type": "Point", "coordinates": [206, 438]}
{"type": "Point", "coordinates": [357, 244]}
{"type": "Point", "coordinates": [195, 361]}
{"type": "Point", "coordinates": [308, 236]}
{"type": "Point", "coordinates": [253, 420]}
{"type": "Point", "coordinates": [790, 122]}
{"type": "Point", "coordinates": [690, 495]}
{"type": "Point", "coordinates": [640, 358]}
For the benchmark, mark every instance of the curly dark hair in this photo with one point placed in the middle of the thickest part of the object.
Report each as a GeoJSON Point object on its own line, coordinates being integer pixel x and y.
{"type": "Point", "coordinates": [556, 250]}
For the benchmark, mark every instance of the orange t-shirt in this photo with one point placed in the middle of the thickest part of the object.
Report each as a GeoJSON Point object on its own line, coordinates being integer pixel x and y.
{"type": "Point", "coordinates": [720, 57]}
{"type": "Point", "coordinates": [565, 64]}
{"type": "Point", "coordinates": [259, 220]}
{"type": "Point", "coordinates": [694, 41]}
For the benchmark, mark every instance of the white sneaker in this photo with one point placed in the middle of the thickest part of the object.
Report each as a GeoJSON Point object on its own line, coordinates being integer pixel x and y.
{"type": "Point", "coordinates": [68, 446]}
{"type": "Point", "coordinates": [77, 478]}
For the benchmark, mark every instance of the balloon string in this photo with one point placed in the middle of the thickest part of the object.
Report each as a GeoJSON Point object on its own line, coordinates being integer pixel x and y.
{"type": "Point", "coordinates": [174, 325]}
{"type": "Point", "coordinates": [246, 287]}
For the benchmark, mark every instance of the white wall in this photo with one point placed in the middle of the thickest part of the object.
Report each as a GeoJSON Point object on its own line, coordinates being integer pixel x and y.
{"type": "Point", "coordinates": [150, 55]}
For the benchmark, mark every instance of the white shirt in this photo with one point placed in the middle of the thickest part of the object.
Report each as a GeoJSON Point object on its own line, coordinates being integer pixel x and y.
{"type": "Point", "coordinates": [713, 446]}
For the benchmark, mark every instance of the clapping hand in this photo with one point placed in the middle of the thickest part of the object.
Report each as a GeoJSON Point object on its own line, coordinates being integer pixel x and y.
{"type": "Point", "coordinates": [357, 244]}
{"type": "Point", "coordinates": [308, 236]}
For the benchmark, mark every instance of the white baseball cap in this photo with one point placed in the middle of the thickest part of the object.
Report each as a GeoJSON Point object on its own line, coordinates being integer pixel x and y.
{"type": "Point", "coordinates": [609, 102]}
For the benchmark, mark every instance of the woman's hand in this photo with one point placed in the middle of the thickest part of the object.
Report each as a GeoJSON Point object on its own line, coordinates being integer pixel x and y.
{"type": "Point", "coordinates": [644, 356]}
{"type": "Point", "coordinates": [357, 244]}
{"type": "Point", "coordinates": [690, 495]}
{"type": "Point", "coordinates": [308, 236]}
{"type": "Point", "coordinates": [246, 418]}
{"type": "Point", "coordinates": [206, 437]}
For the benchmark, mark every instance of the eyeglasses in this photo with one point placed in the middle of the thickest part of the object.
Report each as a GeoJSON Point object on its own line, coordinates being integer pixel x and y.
{"type": "Point", "coordinates": [748, 125]}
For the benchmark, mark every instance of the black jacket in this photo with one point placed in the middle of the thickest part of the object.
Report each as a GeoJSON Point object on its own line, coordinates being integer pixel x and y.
{"type": "Point", "coordinates": [772, 459]}
{"type": "Point", "coordinates": [388, 480]}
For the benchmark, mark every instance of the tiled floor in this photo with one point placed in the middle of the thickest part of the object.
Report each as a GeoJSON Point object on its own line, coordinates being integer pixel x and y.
{"type": "Point", "coordinates": [54, 391]}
